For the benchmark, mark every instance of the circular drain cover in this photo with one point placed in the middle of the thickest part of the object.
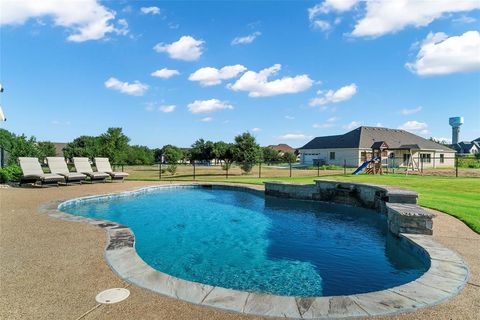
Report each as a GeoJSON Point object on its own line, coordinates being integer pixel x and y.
{"type": "Point", "coordinates": [112, 295]}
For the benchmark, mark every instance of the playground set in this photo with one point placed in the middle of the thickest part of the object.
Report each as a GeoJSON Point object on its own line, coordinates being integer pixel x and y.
{"type": "Point", "coordinates": [375, 165]}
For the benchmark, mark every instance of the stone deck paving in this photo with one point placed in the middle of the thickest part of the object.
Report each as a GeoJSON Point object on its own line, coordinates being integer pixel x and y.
{"type": "Point", "coordinates": [54, 235]}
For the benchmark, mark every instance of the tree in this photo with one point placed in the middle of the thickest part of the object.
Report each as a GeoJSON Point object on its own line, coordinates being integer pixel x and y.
{"type": "Point", "coordinates": [443, 142]}
{"type": "Point", "coordinates": [114, 145]}
{"type": "Point", "coordinates": [289, 157]}
{"type": "Point", "coordinates": [6, 139]}
{"type": "Point", "coordinates": [83, 146]}
{"type": "Point", "coordinates": [270, 155]}
{"type": "Point", "coordinates": [172, 155]}
{"type": "Point", "coordinates": [157, 153]}
{"type": "Point", "coordinates": [46, 149]}
{"type": "Point", "coordinates": [137, 155]}
{"type": "Point", "coordinates": [246, 151]}
{"type": "Point", "coordinates": [224, 152]}
{"type": "Point", "coordinates": [23, 147]}
{"type": "Point", "coordinates": [202, 150]}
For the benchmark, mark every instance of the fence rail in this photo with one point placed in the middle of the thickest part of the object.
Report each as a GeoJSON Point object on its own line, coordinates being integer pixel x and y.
{"type": "Point", "coordinates": [437, 166]}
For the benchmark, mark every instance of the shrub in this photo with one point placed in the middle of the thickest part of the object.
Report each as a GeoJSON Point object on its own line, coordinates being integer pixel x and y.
{"type": "Point", "coordinates": [11, 173]}
{"type": "Point", "coordinates": [172, 168]}
{"type": "Point", "coordinates": [469, 162]}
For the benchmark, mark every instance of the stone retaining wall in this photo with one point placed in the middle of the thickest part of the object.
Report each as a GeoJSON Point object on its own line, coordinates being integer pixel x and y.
{"type": "Point", "coordinates": [400, 206]}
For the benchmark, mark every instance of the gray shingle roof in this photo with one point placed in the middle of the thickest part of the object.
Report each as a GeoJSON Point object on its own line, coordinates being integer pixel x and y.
{"type": "Point", "coordinates": [365, 137]}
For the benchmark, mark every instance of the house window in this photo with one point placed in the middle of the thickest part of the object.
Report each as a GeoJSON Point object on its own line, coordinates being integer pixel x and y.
{"type": "Point", "coordinates": [426, 157]}
{"type": "Point", "coordinates": [332, 155]}
{"type": "Point", "coordinates": [442, 158]}
{"type": "Point", "coordinates": [406, 157]}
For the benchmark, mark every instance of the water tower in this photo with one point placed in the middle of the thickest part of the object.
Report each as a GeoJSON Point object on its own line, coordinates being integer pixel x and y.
{"type": "Point", "coordinates": [455, 122]}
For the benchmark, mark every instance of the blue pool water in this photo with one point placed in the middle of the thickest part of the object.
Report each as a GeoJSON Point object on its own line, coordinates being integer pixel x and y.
{"type": "Point", "coordinates": [245, 241]}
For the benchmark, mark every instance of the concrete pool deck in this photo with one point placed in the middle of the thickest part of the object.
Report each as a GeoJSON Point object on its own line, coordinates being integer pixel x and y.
{"type": "Point", "coordinates": [53, 269]}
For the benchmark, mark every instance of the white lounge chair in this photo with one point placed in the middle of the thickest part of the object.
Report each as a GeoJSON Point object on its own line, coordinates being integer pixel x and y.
{"type": "Point", "coordinates": [59, 166]}
{"type": "Point", "coordinates": [103, 165]}
{"type": "Point", "coordinates": [33, 173]}
{"type": "Point", "coordinates": [82, 165]}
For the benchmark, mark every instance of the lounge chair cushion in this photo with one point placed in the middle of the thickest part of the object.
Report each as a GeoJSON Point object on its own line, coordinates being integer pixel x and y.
{"type": "Point", "coordinates": [74, 176]}
{"type": "Point", "coordinates": [82, 165]}
{"type": "Point", "coordinates": [118, 174]}
{"type": "Point", "coordinates": [103, 165]}
{"type": "Point", "coordinates": [33, 171]}
{"type": "Point", "coordinates": [96, 175]}
{"type": "Point", "coordinates": [51, 177]}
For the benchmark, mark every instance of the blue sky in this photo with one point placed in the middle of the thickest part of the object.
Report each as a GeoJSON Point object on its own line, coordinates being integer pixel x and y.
{"type": "Point", "coordinates": [329, 66]}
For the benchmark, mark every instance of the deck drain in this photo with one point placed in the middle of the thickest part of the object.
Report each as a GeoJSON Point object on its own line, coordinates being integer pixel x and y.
{"type": "Point", "coordinates": [112, 295]}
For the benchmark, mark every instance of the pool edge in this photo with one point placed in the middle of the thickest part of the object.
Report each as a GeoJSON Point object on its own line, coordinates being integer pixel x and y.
{"type": "Point", "coordinates": [445, 278]}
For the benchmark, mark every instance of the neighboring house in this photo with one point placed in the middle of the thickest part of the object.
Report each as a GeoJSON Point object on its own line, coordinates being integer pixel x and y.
{"type": "Point", "coordinates": [466, 147]}
{"type": "Point", "coordinates": [282, 148]}
{"type": "Point", "coordinates": [59, 148]}
{"type": "Point", "coordinates": [354, 147]}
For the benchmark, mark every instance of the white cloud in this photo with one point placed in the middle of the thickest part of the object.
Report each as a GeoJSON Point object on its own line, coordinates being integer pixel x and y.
{"type": "Point", "coordinates": [256, 130]}
{"type": "Point", "coordinates": [293, 136]}
{"type": "Point", "coordinates": [122, 27]}
{"type": "Point", "coordinates": [327, 124]}
{"type": "Point", "coordinates": [167, 108]}
{"type": "Point", "coordinates": [150, 10]}
{"type": "Point", "coordinates": [149, 106]}
{"type": "Point", "coordinates": [407, 112]}
{"type": "Point", "coordinates": [61, 123]}
{"type": "Point", "coordinates": [86, 20]}
{"type": "Point", "coordinates": [135, 89]}
{"type": "Point", "coordinates": [465, 19]}
{"type": "Point", "coordinates": [289, 117]}
{"type": "Point", "coordinates": [383, 17]}
{"type": "Point", "coordinates": [323, 25]}
{"type": "Point", "coordinates": [206, 119]}
{"type": "Point", "coordinates": [415, 126]}
{"type": "Point", "coordinates": [323, 125]}
{"type": "Point", "coordinates": [443, 140]}
{"type": "Point", "coordinates": [246, 39]}
{"type": "Point", "coordinates": [186, 48]}
{"type": "Point", "coordinates": [326, 7]}
{"type": "Point", "coordinates": [257, 84]}
{"type": "Point", "coordinates": [165, 73]}
{"type": "Point", "coordinates": [440, 54]}
{"type": "Point", "coordinates": [330, 5]}
{"type": "Point", "coordinates": [343, 94]}
{"type": "Point", "coordinates": [209, 76]}
{"type": "Point", "coordinates": [352, 125]}
{"type": "Point", "coordinates": [207, 106]}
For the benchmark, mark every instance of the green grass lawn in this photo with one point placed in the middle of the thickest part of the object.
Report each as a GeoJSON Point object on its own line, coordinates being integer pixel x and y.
{"type": "Point", "coordinates": [459, 197]}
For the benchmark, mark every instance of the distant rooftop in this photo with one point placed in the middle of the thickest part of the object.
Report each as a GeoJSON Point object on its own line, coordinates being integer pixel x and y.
{"type": "Point", "coordinates": [364, 137]}
{"type": "Point", "coordinates": [282, 147]}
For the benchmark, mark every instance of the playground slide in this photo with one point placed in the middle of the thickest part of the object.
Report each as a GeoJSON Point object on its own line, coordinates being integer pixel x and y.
{"type": "Point", "coordinates": [363, 166]}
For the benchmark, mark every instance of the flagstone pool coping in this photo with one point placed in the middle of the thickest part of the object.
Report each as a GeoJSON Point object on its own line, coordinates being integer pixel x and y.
{"type": "Point", "coordinates": [446, 277]}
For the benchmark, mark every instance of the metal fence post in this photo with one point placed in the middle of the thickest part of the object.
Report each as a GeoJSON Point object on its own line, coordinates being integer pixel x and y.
{"type": "Point", "coordinates": [226, 171]}
{"type": "Point", "coordinates": [456, 165]}
{"type": "Point", "coordinates": [344, 166]}
{"type": "Point", "coordinates": [160, 170]}
{"type": "Point", "coordinates": [290, 169]}
{"type": "Point", "coordinates": [260, 169]}
{"type": "Point", "coordinates": [122, 168]}
{"type": "Point", "coordinates": [421, 165]}
{"type": "Point", "coordinates": [318, 168]}
{"type": "Point", "coordinates": [194, 173]}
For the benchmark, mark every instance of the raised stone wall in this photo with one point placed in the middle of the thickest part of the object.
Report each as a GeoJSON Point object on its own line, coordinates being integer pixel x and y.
{"type": "Point", "coordinates": [400, 206]}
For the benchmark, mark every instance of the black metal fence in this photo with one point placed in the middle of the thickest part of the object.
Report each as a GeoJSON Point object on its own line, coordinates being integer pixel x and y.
{"type": "Point", "coordinates": [453, 166]}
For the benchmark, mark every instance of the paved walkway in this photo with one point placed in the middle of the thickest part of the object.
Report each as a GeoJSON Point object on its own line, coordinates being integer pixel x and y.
{"type": "Point", "coordinates": [51, 269]}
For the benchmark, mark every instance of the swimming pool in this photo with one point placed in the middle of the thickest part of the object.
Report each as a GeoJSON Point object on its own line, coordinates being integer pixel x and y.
{"type": "Point", "coordinates": [243, 240]}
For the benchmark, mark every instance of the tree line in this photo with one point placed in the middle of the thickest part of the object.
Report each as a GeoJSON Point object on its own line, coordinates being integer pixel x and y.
{"type": "Point", "coordinates": [115, 145]}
